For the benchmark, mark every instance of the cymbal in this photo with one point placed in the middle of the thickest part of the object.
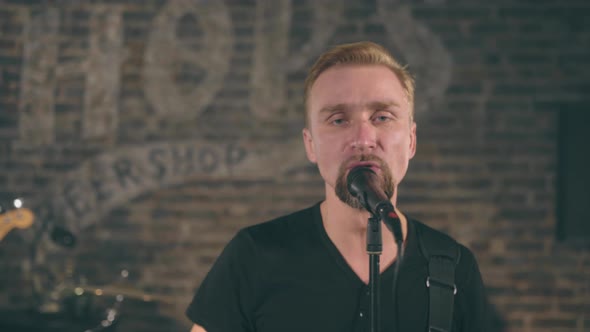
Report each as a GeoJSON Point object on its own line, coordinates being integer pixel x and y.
{"type": "Point", "coordinates": [130, 292]}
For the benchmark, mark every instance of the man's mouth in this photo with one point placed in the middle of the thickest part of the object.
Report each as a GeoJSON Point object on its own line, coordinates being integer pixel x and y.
{"type": "Point", "coordinates": [372, 165]}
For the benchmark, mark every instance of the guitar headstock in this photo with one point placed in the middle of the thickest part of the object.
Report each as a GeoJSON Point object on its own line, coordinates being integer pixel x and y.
{"type": "Point", "coordinates": [15, 218]}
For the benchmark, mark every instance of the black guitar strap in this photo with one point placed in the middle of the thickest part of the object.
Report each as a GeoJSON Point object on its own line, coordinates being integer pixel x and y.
{"type": "Point", "coordinates": [443, 254]}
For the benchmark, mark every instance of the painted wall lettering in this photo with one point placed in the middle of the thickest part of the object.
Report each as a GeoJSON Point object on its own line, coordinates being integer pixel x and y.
{"type": "Point", "coordinates": [115, 177]}
{"type": "Point", "coordinates": [42, 73]}
{"type": "Point", "coordinates": [272, 59]}
{"type": "Point", "coordinates": [36, 104]}
{"type": "Point", "coordinates": [166, 53]}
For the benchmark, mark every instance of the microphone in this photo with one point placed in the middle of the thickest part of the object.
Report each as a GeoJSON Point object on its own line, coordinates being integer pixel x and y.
{"type": "Point", "coordinates": [363, 184]}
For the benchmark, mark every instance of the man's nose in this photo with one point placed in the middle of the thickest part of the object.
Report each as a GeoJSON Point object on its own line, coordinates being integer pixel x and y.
{"type": "Point", "coordinates": [365, 136]}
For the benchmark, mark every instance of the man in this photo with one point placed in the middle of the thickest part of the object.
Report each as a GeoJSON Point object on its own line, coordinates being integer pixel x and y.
{"type": "Point", "coordinates": [309, 271]}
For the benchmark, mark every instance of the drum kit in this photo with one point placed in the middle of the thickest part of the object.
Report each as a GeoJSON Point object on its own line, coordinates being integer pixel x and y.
{"type": "Point", "coordinates": [63, 295]}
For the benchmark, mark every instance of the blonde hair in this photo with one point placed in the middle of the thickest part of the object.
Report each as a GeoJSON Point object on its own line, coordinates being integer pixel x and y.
{"type": "Point", "coordinates": [361, 53]}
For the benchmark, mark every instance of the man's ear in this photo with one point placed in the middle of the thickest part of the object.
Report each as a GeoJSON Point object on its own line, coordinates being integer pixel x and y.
{"type": "Point", "coordinates": [413, 139]}
{"type": "Point", "coordinates": [308, 142]}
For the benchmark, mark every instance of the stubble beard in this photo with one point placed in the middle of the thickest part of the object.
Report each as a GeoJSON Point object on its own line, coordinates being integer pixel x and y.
{"type": "Point", "coordinates": [341, 185]}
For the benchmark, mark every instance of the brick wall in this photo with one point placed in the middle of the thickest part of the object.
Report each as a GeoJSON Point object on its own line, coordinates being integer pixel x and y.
{"type": "Point", "coordinates": [153, 130]}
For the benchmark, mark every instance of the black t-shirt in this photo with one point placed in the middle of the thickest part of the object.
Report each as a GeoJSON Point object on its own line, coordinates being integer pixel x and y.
{"type": "Point", "coordinates": [287, 275]}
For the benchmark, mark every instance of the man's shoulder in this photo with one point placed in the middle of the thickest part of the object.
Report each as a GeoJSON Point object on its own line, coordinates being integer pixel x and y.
{"type": "Point", "coordinates": [429, 232]}
{"type": "Point", "coordinates": [433, 241]}
{"type": "Point", "coordinates": [287, 220]}
{"type": "Point", "coordinates": [283, 227]}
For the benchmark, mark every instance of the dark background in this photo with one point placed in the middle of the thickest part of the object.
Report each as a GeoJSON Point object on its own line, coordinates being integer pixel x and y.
{"type": "Point", "coordinates": [153, 130]}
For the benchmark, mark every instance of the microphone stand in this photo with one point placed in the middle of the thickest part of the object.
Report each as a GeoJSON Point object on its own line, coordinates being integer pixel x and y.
{"type": "Point", "coordinates": [363, 183]}
{"type": "Point", "coordinates": [374, 249]}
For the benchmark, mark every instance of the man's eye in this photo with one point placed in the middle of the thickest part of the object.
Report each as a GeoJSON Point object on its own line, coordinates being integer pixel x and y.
{"type": "Point", "coordinates": [382, 118]}
{"type": "Point", "coordinates": [338, 121]}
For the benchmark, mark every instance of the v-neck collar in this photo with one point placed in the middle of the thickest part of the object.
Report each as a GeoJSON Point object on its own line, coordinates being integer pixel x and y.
{"type": "Point", "coordinates": [338, 258]}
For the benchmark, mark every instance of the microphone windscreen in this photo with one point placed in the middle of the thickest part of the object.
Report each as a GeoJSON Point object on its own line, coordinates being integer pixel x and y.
{"type": "Point", "coordinates": [357, 179]}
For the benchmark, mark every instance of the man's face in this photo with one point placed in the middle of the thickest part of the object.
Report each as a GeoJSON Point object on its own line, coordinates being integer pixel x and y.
{"type": "Point", "coordinates": [359, 116]}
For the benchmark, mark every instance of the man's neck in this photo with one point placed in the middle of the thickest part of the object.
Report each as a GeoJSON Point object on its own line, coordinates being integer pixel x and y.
{"type": "Point", "coordinates": [347, 226]}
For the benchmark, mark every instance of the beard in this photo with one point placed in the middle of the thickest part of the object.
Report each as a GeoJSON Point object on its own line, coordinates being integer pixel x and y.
{"type": "Point", "coordinates": [342, 186]}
